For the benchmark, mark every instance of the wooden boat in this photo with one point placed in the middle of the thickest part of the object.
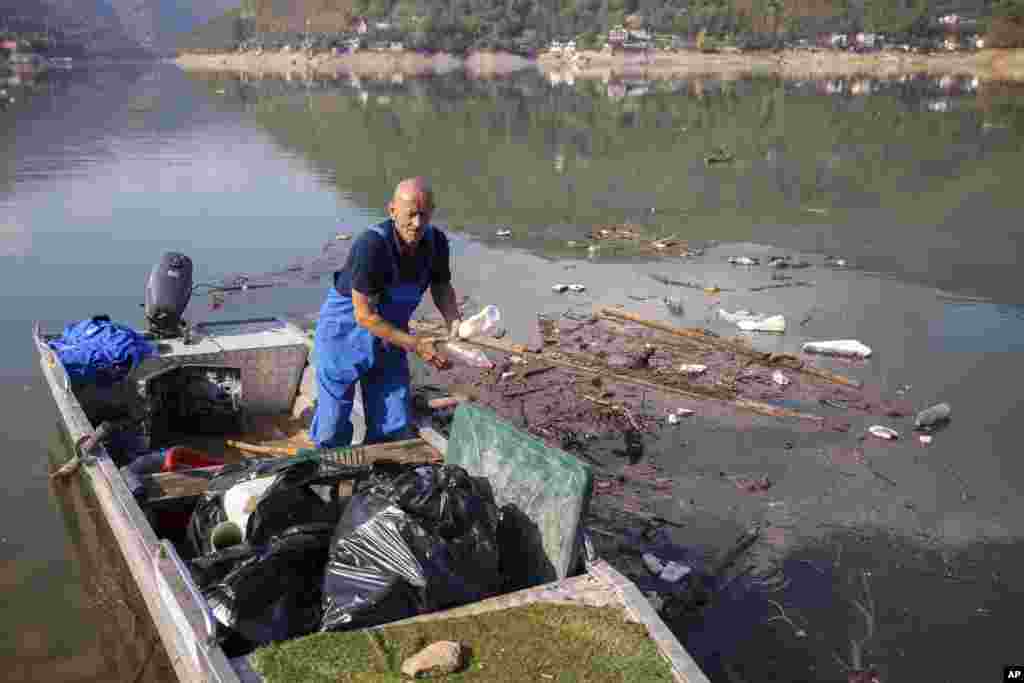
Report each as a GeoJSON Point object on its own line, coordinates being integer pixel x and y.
{"type": "Point", "coordinates": [271, 358]}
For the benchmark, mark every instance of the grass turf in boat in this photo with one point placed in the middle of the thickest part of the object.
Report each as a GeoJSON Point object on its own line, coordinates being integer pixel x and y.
{"type": "Point", "coordinates": [567, 642]}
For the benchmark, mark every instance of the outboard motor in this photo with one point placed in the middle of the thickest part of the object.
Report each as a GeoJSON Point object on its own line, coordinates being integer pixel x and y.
{"type": "Point", "coordinates": [167, 294]}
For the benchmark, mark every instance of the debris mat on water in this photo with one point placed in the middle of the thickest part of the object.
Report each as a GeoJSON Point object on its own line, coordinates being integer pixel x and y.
{"type": "Point", "coordinates": [598, 375]}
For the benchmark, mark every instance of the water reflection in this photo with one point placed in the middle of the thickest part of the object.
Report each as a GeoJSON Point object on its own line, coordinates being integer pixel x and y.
{"type": "Point", "coordinates": [816, 164]}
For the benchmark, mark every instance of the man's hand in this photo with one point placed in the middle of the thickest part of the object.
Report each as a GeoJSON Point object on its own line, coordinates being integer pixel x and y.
{"type": "Point", "coordinates": [426, 350]}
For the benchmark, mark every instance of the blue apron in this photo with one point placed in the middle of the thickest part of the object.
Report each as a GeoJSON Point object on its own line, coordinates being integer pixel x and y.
{"type": "Point", "coordinates": [347, 353]}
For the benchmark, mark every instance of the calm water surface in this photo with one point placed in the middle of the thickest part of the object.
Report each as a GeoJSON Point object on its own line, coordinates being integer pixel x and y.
{"type": "Point", "coordinates": [914, 181]}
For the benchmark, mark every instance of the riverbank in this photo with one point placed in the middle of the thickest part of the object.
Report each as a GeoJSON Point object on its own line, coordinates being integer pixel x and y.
{"type": "Point", "coordinates": [993, 65]}
{"type": "Point", "coordinates": [999, 65]}
{"type": "Point", "coordinates": [363, 63]}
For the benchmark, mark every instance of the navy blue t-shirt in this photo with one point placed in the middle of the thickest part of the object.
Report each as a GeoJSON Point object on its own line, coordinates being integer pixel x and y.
{"type": "Point", "coordinates": [370, 266]}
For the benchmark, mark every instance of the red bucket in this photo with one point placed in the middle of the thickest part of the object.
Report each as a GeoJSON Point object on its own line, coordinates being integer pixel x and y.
{"type": "Point", "coordinates": [184, 458]}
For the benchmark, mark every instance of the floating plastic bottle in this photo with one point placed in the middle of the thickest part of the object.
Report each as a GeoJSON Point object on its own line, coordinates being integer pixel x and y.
{"type": "Point", "coordinates": [674, 572]}
{"type": "Point", "coordinates": [465, 355]}
{"type": "Point", "coordinates": [653, 563]}
{"type": "Point", "coordinates": [754, 322]}
{"type": "Point", "coordinates": [930, 418]}
{"type": "Point", "coordinates": [775, 323]}
{"type": "Point", "coordinates": [484, 322]}
{"type": "Point", "coordinates": [849, 348]}
{"type": "Point", "coordinates": [883, 432]}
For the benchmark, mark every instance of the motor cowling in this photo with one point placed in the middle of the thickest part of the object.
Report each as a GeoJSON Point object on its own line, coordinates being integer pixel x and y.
{"type": "Point", "coordinates": [168, 292]}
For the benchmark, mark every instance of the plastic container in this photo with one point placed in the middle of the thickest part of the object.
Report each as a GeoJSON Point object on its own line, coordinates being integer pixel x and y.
{"type": "Point", "coordinates": [465, 355]}
{"type": "Point", "coordinates": [484, 322]}
{"type": "Point", "coordinates": [929, 418]}
{"type": "Point", "coordinates": [847, 348]}
{"type": "Point", "coordinates": [240, 500]}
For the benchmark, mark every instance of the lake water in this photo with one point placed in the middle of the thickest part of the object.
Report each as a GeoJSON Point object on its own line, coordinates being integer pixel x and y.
{"type": "Point", "coordinates": [914, 181]}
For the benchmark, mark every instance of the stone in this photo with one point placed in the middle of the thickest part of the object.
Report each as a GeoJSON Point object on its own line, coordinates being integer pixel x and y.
{"type": "Point", "coordinates": [437, 659]}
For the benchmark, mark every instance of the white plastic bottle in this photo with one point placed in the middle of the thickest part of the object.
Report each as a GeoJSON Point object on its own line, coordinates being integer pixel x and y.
{"type": "Point", "coordinates": [484, 322]}
{"type": "Point", "coordinates": [465, 355]}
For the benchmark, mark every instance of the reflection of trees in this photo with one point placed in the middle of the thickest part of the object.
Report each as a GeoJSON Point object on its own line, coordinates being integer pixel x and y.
{"type": "Point", "coordinates": [490, 148]}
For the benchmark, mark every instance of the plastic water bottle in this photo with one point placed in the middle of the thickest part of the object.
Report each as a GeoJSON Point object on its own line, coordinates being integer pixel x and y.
{"type": "Point", "coordinates": [465, 355]}
{"type": "Point", "coordinates": [484, 322]}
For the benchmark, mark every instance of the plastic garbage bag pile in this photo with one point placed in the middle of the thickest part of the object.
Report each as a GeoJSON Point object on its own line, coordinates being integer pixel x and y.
{"type": "Point", "coordinates": [410, 540]}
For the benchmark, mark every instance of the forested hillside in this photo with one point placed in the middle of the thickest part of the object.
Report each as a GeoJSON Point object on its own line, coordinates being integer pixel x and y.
{"type": "Point", "coordinates": [455, 25]}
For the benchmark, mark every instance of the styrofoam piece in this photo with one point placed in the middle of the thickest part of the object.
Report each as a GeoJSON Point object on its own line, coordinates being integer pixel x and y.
{"type": "Point", "coordinates": [848, 348]}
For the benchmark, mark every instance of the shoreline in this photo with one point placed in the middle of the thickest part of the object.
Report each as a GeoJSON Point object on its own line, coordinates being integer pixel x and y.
{"type": "Point", "coordinates": [363, 63]}
{"type": "Point", "coordinates": [992, 65]}
{"type": "Point", "coordinates": [1000, 65]}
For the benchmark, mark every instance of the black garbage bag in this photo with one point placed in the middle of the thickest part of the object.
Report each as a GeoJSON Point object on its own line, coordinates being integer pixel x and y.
{"type": "Point", "coordinates": [261, 594]}
{"type": "Point", "coordinates": [421, 542]}
{"type": "Point", "coordinates": [304, 492]}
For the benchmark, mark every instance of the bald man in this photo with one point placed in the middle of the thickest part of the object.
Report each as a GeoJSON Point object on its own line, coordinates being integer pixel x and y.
{"type": "Point", "coordinates": [362, 334]}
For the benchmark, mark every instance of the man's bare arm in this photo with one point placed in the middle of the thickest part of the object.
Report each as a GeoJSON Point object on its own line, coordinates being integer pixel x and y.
{"type": "Point", "coordinates": [367, 317]}
{"type": "Point", "coordinates": [445, 300]}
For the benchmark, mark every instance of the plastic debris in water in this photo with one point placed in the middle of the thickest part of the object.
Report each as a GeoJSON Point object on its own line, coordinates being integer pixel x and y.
{"type": "Point", "coordinates": [559, 288]}
{"type": "Point", "coordinates": [343, 236]}
{"type": "Point", "coordinates": [472, 357]}
{"type": "Point", "coordinates": [744, 261]}
{"type": "Point", "coordinates": [930, 418]}
{"type": "Point", "coordinates": [674, 572]}
{"type": "Point", "coordinates": [483, 322]}
{"type": "Point", "coordinates": [925, 439]}
{"type": "Point", "coordinates": [848, 348]}
{"type": "Point", "coordinates": [693, 369]}
{"type": "Point", "coordinates": [653, 563]}
{"type": "Point", "coordinates": [775, 323]}
{"type": "Point", "coordinates": [883, 432]}
{"type": "Point", "coordinates": [503, 233]}
{"type": "Point", "coordinates": [577, 288]}
{"type": "Point", "coordinates": [780, 378]}
{"type": "Point", "coordinates": [507, 375]}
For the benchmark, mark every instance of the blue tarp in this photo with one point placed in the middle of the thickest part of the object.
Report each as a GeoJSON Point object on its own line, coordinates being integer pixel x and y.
{"type": "Point", "coordinates": [99, 351]}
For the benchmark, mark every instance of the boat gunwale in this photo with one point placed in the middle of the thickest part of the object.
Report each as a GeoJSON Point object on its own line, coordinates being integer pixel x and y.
{"type": "Point", "coordinates": [147, 559]}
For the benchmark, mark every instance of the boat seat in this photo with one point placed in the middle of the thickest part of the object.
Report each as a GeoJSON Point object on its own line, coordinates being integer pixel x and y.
{"type": "Point", "coordinates": [543, 491]}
